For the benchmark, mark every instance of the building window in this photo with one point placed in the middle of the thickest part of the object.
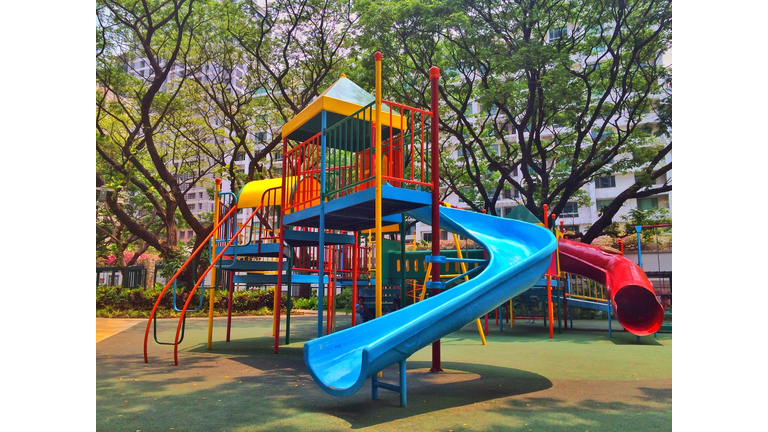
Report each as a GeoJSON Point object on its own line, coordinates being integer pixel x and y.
{"type": "Point", "coordinates": [199, 206]}
{"type": "Point", "coordinates": [279, 155]}
{"type": "Point", "coordinates": [605, 182]}
{"type": "Point", "coordinates": [443, 235]}
{"type": "Point", "coordinates": [511, 193]}
{"type": "Point", "coordinates": [507, 210]}
{"type": "Point", "coordinates": [658, 180]}
{"type": "Point", "coordinates": [557, 33]}
{"type": "Point", "coordinates": [182, 233]}
{"type": "Point", "coordinates": [190, 196]}
{"type": "Point", "coordinates": [426, 236]}
{"type": "Point", "coordinates": [240, 156]}
{"type": "Point", "coordinates": [602, 203]}
{"type": "Point", "coordinates": [211, 207]}
{"type": "Point", "coordinates": [570, 209]}
{"type": "Point", "coordinates": [647, 203]}
{"type": "Point", "coordinates": [260, 137]}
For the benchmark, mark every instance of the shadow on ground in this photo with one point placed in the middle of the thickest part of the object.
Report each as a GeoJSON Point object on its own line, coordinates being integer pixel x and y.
{"type": "Point", "coordinates": [242, 385]}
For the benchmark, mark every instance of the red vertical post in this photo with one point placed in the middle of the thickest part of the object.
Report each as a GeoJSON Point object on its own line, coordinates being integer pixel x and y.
{"type": "Point", "coordinates": [485, 257]}
{"type": "Point", "coordinates": [549, 284]}
{"type": "Point", "coordinates": [355, 252]}
{"type": "Point", "coordinates": [621, 246]}
{"type": "Point", "coordinates": [434, 76]}
{"type": "Point", "coordinates": [281, 238]}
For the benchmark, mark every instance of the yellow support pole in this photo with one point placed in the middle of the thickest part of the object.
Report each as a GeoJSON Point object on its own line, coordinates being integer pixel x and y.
{"type": "Point", "coordinates": [426, 278]}
{"type": "Point", "coordinates": [466, 278]}
{"type": "Point", "coordinates": [216, 216]}
{"type": "Point", "coordinates": [379, 243]}
{"type": "Point", "coordinates": [511, 315]}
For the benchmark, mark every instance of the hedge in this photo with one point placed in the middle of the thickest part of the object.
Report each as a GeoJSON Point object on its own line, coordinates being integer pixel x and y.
{"type": "Point", "coordinates": [113, 301]}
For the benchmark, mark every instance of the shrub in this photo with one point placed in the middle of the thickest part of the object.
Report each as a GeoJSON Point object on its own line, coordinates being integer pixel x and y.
{"type": "Point", "coordinates": [118, 301]}
{"type": "Point", "coordinates": [305, 303]}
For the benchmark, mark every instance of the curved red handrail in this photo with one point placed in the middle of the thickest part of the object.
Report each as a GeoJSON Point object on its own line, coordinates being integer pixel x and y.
{"type": "Point", "coordinates": [199, 281]}
{"type": "Point", "coordinates": [183, 266]}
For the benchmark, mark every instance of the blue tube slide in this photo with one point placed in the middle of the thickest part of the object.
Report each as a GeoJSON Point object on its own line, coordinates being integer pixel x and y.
{"type": "Point", "coordinates": [519, 253]}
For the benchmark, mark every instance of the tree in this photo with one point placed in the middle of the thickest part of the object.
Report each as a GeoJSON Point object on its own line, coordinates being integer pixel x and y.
{"type": "Point", "coordinates": [541, 97]}
{"type": "Point", "coordinates": [132, 106]}
{"type": "Point", "coordinates": [169, 112]}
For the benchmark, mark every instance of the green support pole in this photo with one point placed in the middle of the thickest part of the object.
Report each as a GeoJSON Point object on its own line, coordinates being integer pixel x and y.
{"type": "Point", "coordinates": [288, 306]}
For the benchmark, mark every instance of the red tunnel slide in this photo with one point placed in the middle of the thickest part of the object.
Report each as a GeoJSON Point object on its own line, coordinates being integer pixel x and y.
{"type": "Point", "coordinates": [630, 292]}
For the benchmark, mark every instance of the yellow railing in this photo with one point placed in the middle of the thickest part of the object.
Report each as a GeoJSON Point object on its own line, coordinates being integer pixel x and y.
{"type": "Point", "coordinates": [587, 289]}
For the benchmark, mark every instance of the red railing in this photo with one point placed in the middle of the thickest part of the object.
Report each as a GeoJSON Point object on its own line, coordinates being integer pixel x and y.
{"type": "Point", "coordinates": [301, 169]}
{"type": "Point", "coordinates": [409, 139]}
{"type": "Point", "coordinates": [305, 259]}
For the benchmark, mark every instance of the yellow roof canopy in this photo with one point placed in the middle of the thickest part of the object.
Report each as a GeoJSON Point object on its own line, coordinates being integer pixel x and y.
{"type": "Point", "coordinates": [252, 194]}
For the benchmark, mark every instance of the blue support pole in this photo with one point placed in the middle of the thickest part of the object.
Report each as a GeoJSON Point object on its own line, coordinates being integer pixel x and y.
{"type": "Point", "coordinates": [403, 387]}
{"type": "Point", "coordinates": [321, 226]}
{"type": "Point", "coordinates": [609, 319]}
{"type": "Point", "coordinates": [374, 387]}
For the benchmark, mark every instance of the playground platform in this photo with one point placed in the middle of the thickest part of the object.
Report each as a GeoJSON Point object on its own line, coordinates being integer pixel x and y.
{"type": "Point", "coordinates": [581, 380]}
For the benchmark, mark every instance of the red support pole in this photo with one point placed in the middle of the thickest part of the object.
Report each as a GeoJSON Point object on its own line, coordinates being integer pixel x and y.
{"type": "Point", "coordinates": [485, 257]}
{"type": "Point", "coordinates": [549, 284]}
{"type": "Point", "coordinates": [434, 76]}
{"type": "Point", "coordinates": [355, 252]}
{"type": "Point", "coordinates": [281, 242]}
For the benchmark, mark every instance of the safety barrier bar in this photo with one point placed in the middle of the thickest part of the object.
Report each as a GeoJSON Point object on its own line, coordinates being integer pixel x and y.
{"type": "Point", "coordinates": [584, 288]}
{"type": "Point", "coordinates": [269, 217]}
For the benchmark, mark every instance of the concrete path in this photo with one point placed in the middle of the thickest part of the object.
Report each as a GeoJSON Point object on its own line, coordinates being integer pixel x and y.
{"type": "Point", "coordinates": [106, 327]}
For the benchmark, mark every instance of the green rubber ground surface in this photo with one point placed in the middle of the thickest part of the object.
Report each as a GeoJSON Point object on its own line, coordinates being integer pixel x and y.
{"type": "Point", "coordinates": [579, 381]}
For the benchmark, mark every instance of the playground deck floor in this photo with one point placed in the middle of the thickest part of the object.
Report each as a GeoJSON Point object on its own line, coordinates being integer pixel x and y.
{"type": "Point", "coordinates": [579, 381]}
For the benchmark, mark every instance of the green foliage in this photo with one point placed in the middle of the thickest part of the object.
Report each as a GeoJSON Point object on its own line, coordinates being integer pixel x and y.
{"type": "Point", "coordinates": [344, 300]}
{"type": "Point", "coordinates": [551, 115]}
{"type": "Point", "coordinates": [305, 303]}
{"type": "Point", "coordinates": [172, 263]}
{"type": "Point", "coordinates": [116, 300]}
{"type": "Point", "coordinates": [652, 216]}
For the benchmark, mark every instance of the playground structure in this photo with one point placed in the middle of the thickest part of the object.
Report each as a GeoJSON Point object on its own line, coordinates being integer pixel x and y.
{"type": "Point", "coordinates": [358, 166]}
